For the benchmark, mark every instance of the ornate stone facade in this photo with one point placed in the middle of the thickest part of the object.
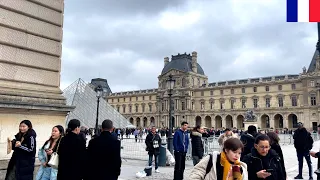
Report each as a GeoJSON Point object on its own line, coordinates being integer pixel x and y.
{"type": "Point", "coordinates": [30, 64]}
{"type": "Point", "coordinates": [277, 101]}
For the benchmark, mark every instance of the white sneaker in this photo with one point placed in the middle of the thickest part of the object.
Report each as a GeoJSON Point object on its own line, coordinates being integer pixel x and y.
{"type": "Point", "coordinates": [157, 171]}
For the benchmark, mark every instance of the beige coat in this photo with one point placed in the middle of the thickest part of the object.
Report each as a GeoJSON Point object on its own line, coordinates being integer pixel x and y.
{"type": "Point", "coordinates": [199, 171]}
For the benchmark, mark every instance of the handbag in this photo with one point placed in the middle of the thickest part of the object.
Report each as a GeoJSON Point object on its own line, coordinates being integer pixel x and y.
{"type": "Point", "coordinates": [54, 160]}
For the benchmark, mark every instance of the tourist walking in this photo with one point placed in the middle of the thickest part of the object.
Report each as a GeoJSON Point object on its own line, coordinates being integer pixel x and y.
{"type": "Point", "coordinates": [104, 155]}
{"type": "Point", "coordinates": [21, 164]}
{"type": "Point", "coordinates": [303, 143]}
{"type": "Point", "coordinates": [317, 155]}
{"type": "Point", "coordinates": [196, 144]}
{"type": "Point", "coordinates": [46, 172]}
{"type": "Point", "coordinates": [247, 140]}
{"type": "Point", "coordinates": [226, 135]}
{"type": "Point", "coordinates": [72, 154]}
{"type": "Point", "coordinates": [180, 145]}
{"type": "Point", "coordinates": [263, 162]}
{"type": "Point", "coordinates": [222, 166]}
{"type": "Point", "coordinates": [153, 142]}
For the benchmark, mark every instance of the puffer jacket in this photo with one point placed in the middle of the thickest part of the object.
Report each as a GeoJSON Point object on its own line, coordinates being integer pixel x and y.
{"type": "Point", "coordinates": [255, 164]}
{"type": "Point", "coordinates": [199, 171]}
{"type": "Point", "coordinates": [196, 143]}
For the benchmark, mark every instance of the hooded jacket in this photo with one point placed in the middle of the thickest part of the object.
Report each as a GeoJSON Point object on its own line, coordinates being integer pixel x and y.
{"type": "Point", "coordinates": [196, 144]}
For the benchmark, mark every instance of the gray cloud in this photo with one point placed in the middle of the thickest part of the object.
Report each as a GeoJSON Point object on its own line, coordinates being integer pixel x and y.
{"type": "Point", "coordinates": [125, 41]}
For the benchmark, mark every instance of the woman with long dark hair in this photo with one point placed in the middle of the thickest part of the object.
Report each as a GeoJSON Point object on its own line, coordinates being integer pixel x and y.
{"type": "Point", "coordinates": [46, 172]}
{"type": "Point", "coordinates": [72, 154]}
{"type": "Point", "coordinates": [197, 145]}
{"type": "Point", "coordinates": [274, 142]}
{"type": "Point", "coordinates": [21, 165]}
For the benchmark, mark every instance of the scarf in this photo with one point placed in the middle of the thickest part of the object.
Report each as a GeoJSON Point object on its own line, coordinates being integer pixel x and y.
{"type": "Point", "coordinates": [230, 171]}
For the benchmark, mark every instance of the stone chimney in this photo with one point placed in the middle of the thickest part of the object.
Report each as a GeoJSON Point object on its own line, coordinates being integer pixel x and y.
{"type": "Point", "coordinates": [194, 61]}
{"type": "Point", "coordinates": [166, 61]}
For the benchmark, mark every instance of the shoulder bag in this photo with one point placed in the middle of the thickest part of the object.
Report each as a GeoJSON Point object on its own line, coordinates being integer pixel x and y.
{"type": "Point", "coordinates": [54, 160]}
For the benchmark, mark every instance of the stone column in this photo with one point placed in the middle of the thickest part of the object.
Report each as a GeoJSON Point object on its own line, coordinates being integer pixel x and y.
{"type": "Point", "coordinates": [224, 124]}
{"type": "Point", "coordinates": [30, 65]}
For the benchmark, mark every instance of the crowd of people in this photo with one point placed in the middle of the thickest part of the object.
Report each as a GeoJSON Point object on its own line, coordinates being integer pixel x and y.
{"type": "Point", "coordinates": [248, 155]}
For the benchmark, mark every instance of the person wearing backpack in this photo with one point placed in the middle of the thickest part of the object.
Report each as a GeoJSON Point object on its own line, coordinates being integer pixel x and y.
{"type": "Point", "coordinates": [222, 166]}
{"type": "Point", "coordinates": [303, 143]}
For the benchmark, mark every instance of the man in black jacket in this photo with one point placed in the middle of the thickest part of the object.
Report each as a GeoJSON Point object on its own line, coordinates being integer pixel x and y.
{"type": "Point", "coordinates": [247, 140]}
{"type": "Point", "coordinates": [104, 155]}
{"type": "Point", "coordinates": [303, 143]}
{"type": "Point", "coordinates": [153, 142]}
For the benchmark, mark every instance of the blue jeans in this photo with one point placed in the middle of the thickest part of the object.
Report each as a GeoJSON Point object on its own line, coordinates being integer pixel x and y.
{"type": "Point", "coordinates": [155, 160]}
{"type": "Point", "coordinates": [306, 155]}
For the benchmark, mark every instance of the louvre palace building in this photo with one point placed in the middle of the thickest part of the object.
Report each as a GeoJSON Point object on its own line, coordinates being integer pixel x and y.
{"type": "Point", "coordinates": [277, 102]}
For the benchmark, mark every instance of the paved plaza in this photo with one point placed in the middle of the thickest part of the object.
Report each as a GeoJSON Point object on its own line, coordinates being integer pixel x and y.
{"type": "Point", "coordinates": [131, 167]}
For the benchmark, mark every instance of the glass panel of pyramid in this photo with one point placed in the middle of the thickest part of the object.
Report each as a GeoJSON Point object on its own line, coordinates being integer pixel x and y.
{"type": "Point", "coordinates": [82, 96]}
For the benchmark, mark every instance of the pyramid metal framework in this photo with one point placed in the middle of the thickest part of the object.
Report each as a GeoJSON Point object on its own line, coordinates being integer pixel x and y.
{"type": "Point", "coordinates": [82, 96]}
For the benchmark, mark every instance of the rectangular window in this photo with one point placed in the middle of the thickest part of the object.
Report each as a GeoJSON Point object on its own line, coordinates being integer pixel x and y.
{"type": "Point", "coordinates": [136, 108]}
{"type": "Point", "coordinates": [267, 102]}
{"type": "Point", "coordinates": [267, 88]}
{"type": "Point", "coordinates": [211, 93]}
{"type": "Point", "coordinates": [202, 105]}
{"type": "Point", "coordinates": [137, 98]}
{"type": "Point", "coordinates": [111, 100]}
{"type": "Point", "coordinates": [118, 100]}
{"type": "Point", "coordinates": [202, 93]}
{"type": "Point", "coordinates": [124, 109]}
{"type": "Point", "coordinates": [255, 103]}
{"type": "Point", "coordinates": [232, 104]}
{"type": "Point", "coordinates": [124, 99]}
{"type": "Point", "coordinates": [294, 101]}
{"type": "Point", "coordinates": [192, 105]}
{"type": "Point", "coordinates": [280, 101]}
{"type": "Point", "coordinates": [143, 108]}
{"type": "Point", "coordinates": [150, 108]}
{"type": "Point", "coordinates": [221, 92]}
{"type": "Point", "coordinates": [312, 83]}
{"type": "Point", "coordinates": [130, 99]}
{"type": "Point", "coordinates": [130, 109]}
{"type": "Point", "coordinates": [243, 103]}
{"type": "Point", "coordinates": [313, 100]}
{"type": "Point", "coordinates": [280, 87]}
{"type": "Point", "coordinates": [183, 105]}
{"type": "Point", "coordinates": [143, 98]}
{"type": "Point", "coordinates": [162, 106]}
{"type": "Point", "coordinates": [150, 97]}
{"type": "Point", "coordinates": [293, 86]}
{"type": "Point", "coordinates": [254, 89]}
{"type": "Point", "coordinates": [118, 108]}
{"type": "Point", "coordinates": [232, 91]}
{"type": "Point", "coordinates": [211, 105]}
{"type": "Point", "coordinates": [221, 105]}
{"type": "Point", "coordinates": [243, 90]}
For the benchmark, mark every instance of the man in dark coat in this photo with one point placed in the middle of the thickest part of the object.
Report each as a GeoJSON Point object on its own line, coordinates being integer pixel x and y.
{"type": "Point", "coordinates": [153, 142]}
{"type": "Point", "coordinates": [248, 139]}
{"type": "Point", "coordinates": [104, 155]}
{"type": "Point", "coordinates": [303, 143]}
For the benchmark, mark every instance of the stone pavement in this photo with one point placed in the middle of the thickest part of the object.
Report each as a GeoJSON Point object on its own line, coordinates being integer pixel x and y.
{"type": "Point", "coordinates": [131, 167]}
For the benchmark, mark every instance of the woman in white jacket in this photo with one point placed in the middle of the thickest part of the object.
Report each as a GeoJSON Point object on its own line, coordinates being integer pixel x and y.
{"type": "Point", "coordinates": [222, 166]}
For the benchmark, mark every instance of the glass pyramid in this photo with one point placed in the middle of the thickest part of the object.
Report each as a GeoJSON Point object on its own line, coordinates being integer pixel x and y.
{"type": "Point", "coordinates": [83, 97]}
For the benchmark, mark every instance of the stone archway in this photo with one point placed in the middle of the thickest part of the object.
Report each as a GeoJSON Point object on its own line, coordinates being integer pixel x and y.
{"type": "Point", "coordinates": [131, 120]}
{"type": "Point", "coordinates": [229, 123]}
{"type": "Point", "coordinates": [278, 121]}
{"type": "Point", "coordinates": [198, 121]}
{"type": "Point", "coordinates": [138, 122]}
{"type": "Point", "coordinates": [265, 121]}
{"type": "Point", "coordinates": [208, 121]}
{"type": "Point", "coordinates": [218, 120]}
{"type": "Point", "coordinates": [145, 122]}
{"type": "Point", "coordinates": [293, 121]}
{"type": "Point", "coordinates": [240, 120]}
{"type": "Point", "coordinates": [152, 121]}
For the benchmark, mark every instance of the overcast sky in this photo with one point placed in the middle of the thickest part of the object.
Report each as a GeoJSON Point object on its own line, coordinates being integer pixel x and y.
{"type": "Point", "coordinates": [125, 41]}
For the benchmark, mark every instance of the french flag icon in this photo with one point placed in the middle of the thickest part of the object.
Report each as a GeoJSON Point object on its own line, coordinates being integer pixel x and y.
{"type": "Point", "coordinates": [303, 10]}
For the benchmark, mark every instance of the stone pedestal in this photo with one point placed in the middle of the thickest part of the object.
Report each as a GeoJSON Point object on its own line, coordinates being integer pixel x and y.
{"type": "Point", "coordinates": [250, 123]}
{"type": "Point", "coordinates": [30, 65]}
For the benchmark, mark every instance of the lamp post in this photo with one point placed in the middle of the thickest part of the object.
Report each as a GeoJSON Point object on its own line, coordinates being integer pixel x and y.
{"type": "Point", "coordinates": [99, 91]}
{"type": "Point", "coordinates": [170, 85]}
